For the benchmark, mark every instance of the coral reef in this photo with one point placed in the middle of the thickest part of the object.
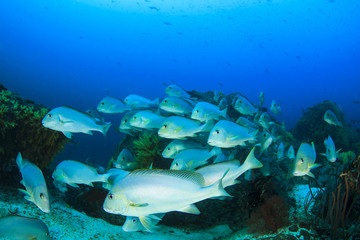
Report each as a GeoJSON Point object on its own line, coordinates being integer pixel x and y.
{"type": "Point", "coordinates": [147, 150]}
{"type": "Point", "coordinates": [312, 127]}
{"type": "Point", "coordinates": [21, 131]}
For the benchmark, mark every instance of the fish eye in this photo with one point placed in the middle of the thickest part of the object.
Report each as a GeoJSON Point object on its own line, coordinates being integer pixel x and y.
{"type": "Point", "coordinates": [102, 103]}
{"type": "Point", "coordinates": [165, 101]}
{"type": "Point", "coordinates": [217, 131]}
{"type": "Point", "coordinates": [176, 164]}
{"type": "Point", "coordinates": [123, 158]}
{"type": "Point", "coordinates": [42, 195]}
{"type": "Point", "coordinates": [197, 111]}
{"type": "Point", "coordinates": [170, 87]}
{"type": "Point", "coordinates": [125, 120]}
{"type": "Point", "coordinates": [168, 149]}
{"type": "Point", "coordinates": [302, 160]}
{"type": "Point", "coordinates": [165, 126]}
{"type": "Point", "coordinates": [133, 220]}
{"type": "Point", "coordinates": [110, 196]}
{"type": "Point", "coordinates": [134, 117]}
{"type": "Point", "coordinates": [49, 115]}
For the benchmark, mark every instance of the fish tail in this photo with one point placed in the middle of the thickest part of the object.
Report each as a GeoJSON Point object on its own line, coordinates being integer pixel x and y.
{"type": "Point", "coordinates": [19, 160]}
{"type": "Point", "coordinates": [155, 101]}
{"type": "Point", "coordinates": [215, 151]}
{"type": "Point", "coordinates": [251, 161]}
{"type": "Point", "coordinates": [217, 189]}
{"type": "Point", "coordinates": [224, 112]}
{"type": "Point", "coordinates": [105, 127]}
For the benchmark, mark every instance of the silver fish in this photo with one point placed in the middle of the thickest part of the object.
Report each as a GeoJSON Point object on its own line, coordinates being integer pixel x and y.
{"type": "Point", "coordinates": [176, 91]}
{"type": "Point", "coordinates": [23, 228]}
{"type": "Point", "coordinates": [331, 153]}
{"type": "Point", "coordinates": [244, 106]}
{"type": "Point", "coordinates": [330, 118]}
{"type": "Point", "coordinates": [281, 151]}
{"type": "Point", "coordinates": [125, 126]}
{"type": "Point", "coordinates": [275, 107]}
{"type": "Point", "coordinates": [136, 101]}
{"type": "Point", "coordinates": [147, 120]}
{"type": "Point", "coordinates": [95, 114]}
{"type": "Point", "coordinates": [133, 224]}
{"type": "Point", "coordinates": [34, 183]}
{"type": "Point", "coordinates": [143, 193]}
{"type": "Point", "coordinates": [189, 159]}
{"type": "Point", "coordinates": [115, 175]}
{"type": "Point", "coordinates": [125, 160]}
{"type": "Point", "coordinates": [176, 127]}
{"type": "Point", "coordinates": [227, 134]}
{"type": "Point", "coordinates": [68, 120]}
{"type": "Point", "coordinates": [112, 105]}
{"type": "Point", "coordinates": [73, 173]}
{"type": "Point", "coordinates": [177, 106]}
{"type": "Point", "coordinates": [204, 111]}
{"type": "Point", "coordinates": [305, 160]}
{"type": "Point", "coordinates": [290, 153]}
{"type": "Point", "coordinates": [178, 145]}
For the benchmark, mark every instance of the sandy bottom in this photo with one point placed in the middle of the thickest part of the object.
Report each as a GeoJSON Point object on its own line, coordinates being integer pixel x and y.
{"type": "Point", "coordinates": [66, 223]}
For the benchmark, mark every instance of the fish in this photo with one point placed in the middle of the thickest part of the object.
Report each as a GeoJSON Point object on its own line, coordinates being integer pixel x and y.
{"type": "Point", "coordinates": [69, 120]}
{"type": "Point", "coordinates": [227, 134]}
{"type": "Point", "coordinates": [189, 159]}
{"type": "Point", "coordinates": [243, 121]}
{"type": "Point", "coordinates": [244, 106]}
{"type": "Point", "coordinates": [136, 102]}
{"type": "Point", "coordinates": [261, 99]}
{"type": "Point", "coordinates": [133, 224]}
{"type": "Point", "coordinates": [125, 160]}
{"type": "Point", "coordinates": [23, 228]}
{"type": "Point", "coordinates": [177, 106]}
{"type": "Point", "coordinates": [95, 114]}
{"type": "Point", "coordinates": [290, 152]}
{"type": "Point", "coordinates": [73, 173]}
{"type": "Point", "coordinates": [265, 140]}
{"type": "Point", "coordinates": [265, 121]}
{"type": "Point", "coordinates": [223, 103]}
{"type": "Point", "coordinates": [146, 120]}
{"type": "Point", "coordinates": [331, 153]}
{"type": "Point", "coordinates": [217, 96]}
{"type": "Point", "coordinates": [178, 145]}
{"type": "Point", "coordinates": [221, 158]}
{"type": "Point", "coordinates": [176, 91]}
{"type": "Point", "coordinates": [275, 107]}
{"type": "Point", "coordinates": [331, 119]}
{"type": "Point", "coordinates": [34, 182]}
{"type": "Point", "coordinates": [112, 105]}
{"type": "Point", "coordinates": [144, 193]}
{"type": "Point", "coordinates": [281, 151]}
{"type": "Point", "coordinates": [115, 175]}
{"type": "Point", "coordinates": [305, 160]}
{"type": "Point", "coordinates": [213, 172]}
{"type": "Point", "coordinates": [125, 126]}
{"type": "Point", "coordinates": [204, 111]}
{"type": "Point", "coordinates": [176, 127]}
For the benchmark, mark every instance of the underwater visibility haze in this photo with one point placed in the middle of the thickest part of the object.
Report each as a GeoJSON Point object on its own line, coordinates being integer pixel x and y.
{"type": "Point", "coordinates": [273, 83]}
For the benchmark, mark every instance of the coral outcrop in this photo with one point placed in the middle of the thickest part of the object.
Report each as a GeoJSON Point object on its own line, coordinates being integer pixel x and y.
{"type": "Point", "coordinates": [21, 131]}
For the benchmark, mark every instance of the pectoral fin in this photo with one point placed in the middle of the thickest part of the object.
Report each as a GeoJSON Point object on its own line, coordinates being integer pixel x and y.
{"type": "Point", "coordinates": [27, 196]}
{"type": "Point", "coordinates": [67, 134]}
{"type": "Point", "coordinates": [139, 205]}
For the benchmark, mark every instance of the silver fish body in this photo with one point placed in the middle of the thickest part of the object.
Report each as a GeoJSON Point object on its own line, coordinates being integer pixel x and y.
{"type": "Point", "coordinates": [305, 160]}
{"type": "Point", "coordinates": [34, 183]}
{"type": "Point", "coordinates": [178, 145]}
{"type": "Point", "coordinates": [147, 120]}
{"type": "Point", "coordinates": [176, 91]}
{"type": "Point", "coordinates": [275, 107]}
{"type": "Point", "coordinates": [125, 160]}
{"type": "Point", "coordinates": [204, 111]}
{"type": "Point", "coordinates": [68, 120]}
{"type": "Point", "coordinates": [23, 228]}
{"type": "Point", "coordinates": [331, 153]}
{"type": "Point", "coordinates": [74, 172]}
{"type": "Point", "coordinates": [244, 106]}
{"type": "Point", "coordinates": [112, 105]}
{"type": "Point", "coordinates": [176, 106]}
{"type": "Point", "coordinates": [330, 118]}
{"type": "Point", "coordinates": [137, 102]}
{"type": "Point", "coordinates": [227, 134]}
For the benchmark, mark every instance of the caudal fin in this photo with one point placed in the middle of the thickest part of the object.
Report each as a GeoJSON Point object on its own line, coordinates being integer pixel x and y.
{"type": "Point", "coordinates": [105, 127]}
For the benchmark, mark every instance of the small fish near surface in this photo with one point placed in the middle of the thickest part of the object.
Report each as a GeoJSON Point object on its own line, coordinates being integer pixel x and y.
{"type": "Point", "coordinates": [23, 228]}
{"type": "Point", "coordinates": [74, 172]}
{"type": "Point", "coordinates": [144, 193]}
{"type": "Point", "coordinates": [69, 120]}
{"type": "Point", "coordinates": [112, 105]}
{"type": "Point", "coordinates": [331, 119]}
{"type": "Point", "coordinates": [227, 134]}
{"type": "Point", "coordinates": [305, 160]}
{"type": "Point", "coordinates": [34, 183]}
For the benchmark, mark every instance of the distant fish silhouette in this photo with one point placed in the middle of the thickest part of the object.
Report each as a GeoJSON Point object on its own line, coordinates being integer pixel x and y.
{"type": "Point", "coordinates": [356, 102]}
{"type": "Point", "coordinates": [167, 23]}
{"type": "Point", "coordinates": [154, 8]}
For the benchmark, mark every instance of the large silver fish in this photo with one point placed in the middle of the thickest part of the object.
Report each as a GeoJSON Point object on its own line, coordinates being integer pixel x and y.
{"type": "Point", "coordinates": [23, 228]}
{"type": "Point", "coordinates": [112, 105]}
{"type": "Point", "coordinates": [68, 120]}
{"type": "Point", "coordinates": [176, 127]}
{"type": "Point", "coordinates": [176, 91]}
{"type": "Point", "coordinates": [143, 193]}
{"type": "Point", "coordinates": [73, 173]}
{"type": "Point", "coordinates": [227, 134]}
{"type": "Point", "coordinates": [244, 106]}
{"type": "Point", "coordinates": [34, 183]}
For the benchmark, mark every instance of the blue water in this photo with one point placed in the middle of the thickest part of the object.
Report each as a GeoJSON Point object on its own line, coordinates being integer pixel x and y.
{"type": "Point", "coordinates": [67, 52]}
